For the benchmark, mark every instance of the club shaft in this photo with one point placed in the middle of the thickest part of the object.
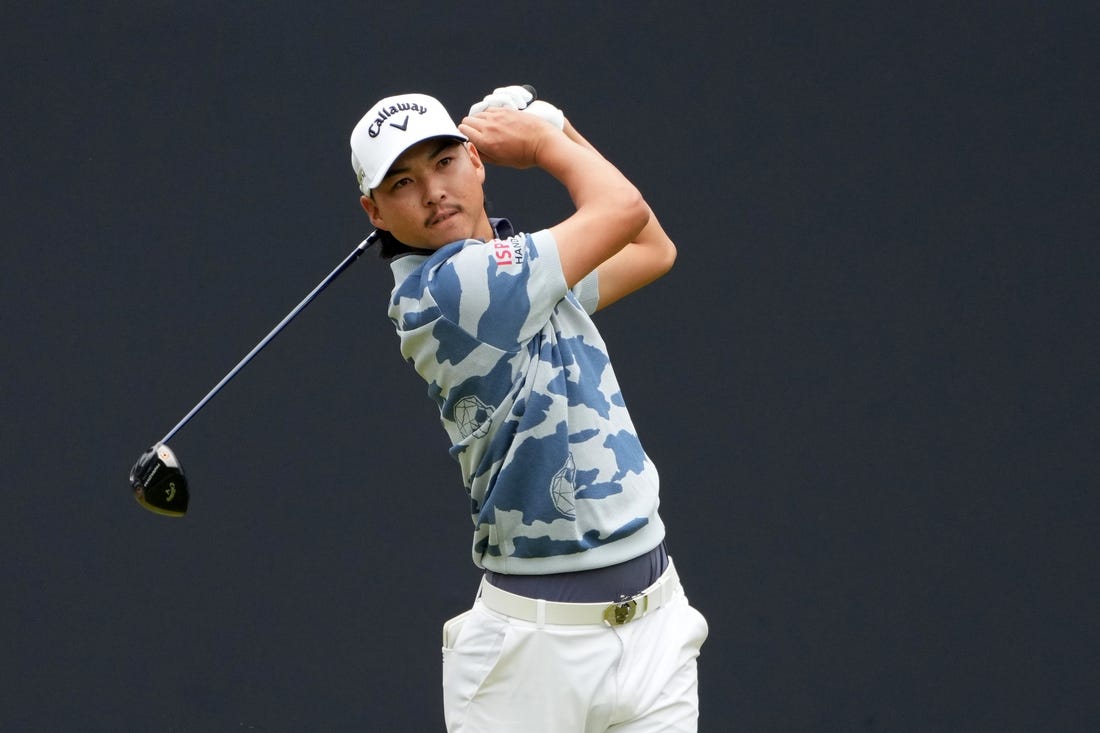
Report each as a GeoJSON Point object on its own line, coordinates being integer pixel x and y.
{"type": "Point", "coordinates": [267, 339]}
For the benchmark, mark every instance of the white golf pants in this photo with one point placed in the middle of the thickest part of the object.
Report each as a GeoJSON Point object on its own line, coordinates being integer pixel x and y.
{"type": "Point", "coordinates": [505, 675]}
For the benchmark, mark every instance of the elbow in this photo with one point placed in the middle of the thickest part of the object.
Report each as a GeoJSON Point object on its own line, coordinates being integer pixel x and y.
{"type": "Point", "coordinates": [660, 246]}
{"type": "Point", "coordinates": [662, 258]}
{"type": "Point", "coordinates": [633, 215]}
{"type": "Point", "coordinates": [668, 256]}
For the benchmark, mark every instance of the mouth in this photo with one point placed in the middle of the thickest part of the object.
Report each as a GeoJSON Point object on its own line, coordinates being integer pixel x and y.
{"type": "Point", "coordinates": [443, 216]}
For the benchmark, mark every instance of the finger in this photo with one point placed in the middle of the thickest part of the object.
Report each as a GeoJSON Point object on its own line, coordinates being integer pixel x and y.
{"type": "Point", "coordinates": [548, 112]}
{"type": "Point", "coordinates": [520, 94]}
{"type": "Point", "coordinates": [497, 99]}
{"type": "Point", "coordinates": [512, 97]}
{"type": "Point", "coordinates": [471, 127]}
{"type": "Point", "coordinates": [492, 100]}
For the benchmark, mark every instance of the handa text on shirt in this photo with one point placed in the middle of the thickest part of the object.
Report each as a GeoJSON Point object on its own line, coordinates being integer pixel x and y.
{"type": "Point", "coordinates": [508, 251]}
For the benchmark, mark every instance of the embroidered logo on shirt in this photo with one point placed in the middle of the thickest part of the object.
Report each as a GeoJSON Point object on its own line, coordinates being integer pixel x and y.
{"type": "Point", "coordinates": [473, 417]}
{"type": "Point", "coordinates": [508, 251]}
{"type": "Point", "coordinates": [563, 489]}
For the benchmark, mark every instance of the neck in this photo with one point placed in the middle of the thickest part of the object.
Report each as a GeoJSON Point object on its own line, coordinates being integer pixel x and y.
{"type": "Point", "coordinates": [484, 230]}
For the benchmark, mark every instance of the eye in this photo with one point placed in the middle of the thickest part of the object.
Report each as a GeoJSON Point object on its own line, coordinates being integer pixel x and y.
{"type": "Point", "coordinates": [446, 161]}
{"type": "Point", "coordinates": [400, 183]}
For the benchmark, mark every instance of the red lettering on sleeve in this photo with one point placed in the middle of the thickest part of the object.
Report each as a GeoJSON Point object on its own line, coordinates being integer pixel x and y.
{"type": "Point", "coordinates": [502, 253]}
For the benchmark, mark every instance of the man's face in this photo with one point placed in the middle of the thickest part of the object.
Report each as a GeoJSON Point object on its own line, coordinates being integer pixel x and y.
{"type": "Point", "coordinates": [432, 195]}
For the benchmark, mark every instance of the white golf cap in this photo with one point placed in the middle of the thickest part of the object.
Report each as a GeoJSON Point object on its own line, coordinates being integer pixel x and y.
{"type": "Point", "coordinates": [391, 127]}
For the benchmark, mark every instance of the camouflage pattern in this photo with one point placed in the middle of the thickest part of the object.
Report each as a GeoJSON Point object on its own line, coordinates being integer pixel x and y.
{"type": "Point", "coordinates": [556, 476]}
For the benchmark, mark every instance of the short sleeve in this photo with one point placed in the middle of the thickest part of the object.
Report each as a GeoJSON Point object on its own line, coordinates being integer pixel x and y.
{"type": "Point", "coordinates": [587, 292]}
{"type": "Point", "coordinates": [503, 291]}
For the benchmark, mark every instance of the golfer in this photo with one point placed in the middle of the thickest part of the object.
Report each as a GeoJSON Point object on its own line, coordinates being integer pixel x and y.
{"type": "Point", "coordinates": [580, 622]}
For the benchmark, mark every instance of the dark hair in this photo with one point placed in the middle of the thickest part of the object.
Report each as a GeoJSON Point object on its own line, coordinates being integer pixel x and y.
{"type": "Point", "coordinates": [389, 247]}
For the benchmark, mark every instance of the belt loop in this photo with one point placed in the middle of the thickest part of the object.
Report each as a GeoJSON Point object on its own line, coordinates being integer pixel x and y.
{"type": "Point", "coordinates": [540, 612]}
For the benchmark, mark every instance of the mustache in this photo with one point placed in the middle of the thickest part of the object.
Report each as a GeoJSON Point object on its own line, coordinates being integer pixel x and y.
{"type": "Point", "coordinates": [441, 212]}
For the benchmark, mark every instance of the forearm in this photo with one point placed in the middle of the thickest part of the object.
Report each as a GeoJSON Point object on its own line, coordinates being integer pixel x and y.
{"type": "Point", "coordinates": [596, 186]}
{"type": "Point", "coordinates": [636, 265]}
{"type": "Point", "coordinates": [573, 134]}
{"type": "Point", "coordinates": [648, 257]}
{"type": "Point", "coordinates": [652, 235]}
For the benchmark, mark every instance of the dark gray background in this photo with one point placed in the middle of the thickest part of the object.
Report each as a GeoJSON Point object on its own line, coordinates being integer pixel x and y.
{"type": "Point", "coordinates": [868, 382]}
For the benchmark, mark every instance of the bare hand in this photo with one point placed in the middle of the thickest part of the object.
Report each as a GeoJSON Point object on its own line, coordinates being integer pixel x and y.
{"type": "Point", "coordinates": [507, 137]}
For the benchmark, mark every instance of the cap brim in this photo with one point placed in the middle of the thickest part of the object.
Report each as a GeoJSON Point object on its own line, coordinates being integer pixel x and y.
{"type": "Point", "coordinates": [384, 170]}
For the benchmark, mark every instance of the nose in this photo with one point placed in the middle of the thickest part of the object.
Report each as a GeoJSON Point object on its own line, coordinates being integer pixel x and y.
{"type": "Point", "coordinates": [434, 191]}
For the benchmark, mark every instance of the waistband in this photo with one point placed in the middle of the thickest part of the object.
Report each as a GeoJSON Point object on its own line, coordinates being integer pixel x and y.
{"type": "Point", "coordinates": [598, 585]}
{"type": "Point", "coordinates": [536, 610]}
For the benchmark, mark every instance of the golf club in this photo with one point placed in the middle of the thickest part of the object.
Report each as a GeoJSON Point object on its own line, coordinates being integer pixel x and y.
{"type": "Point", "coordinates": [157, 479]}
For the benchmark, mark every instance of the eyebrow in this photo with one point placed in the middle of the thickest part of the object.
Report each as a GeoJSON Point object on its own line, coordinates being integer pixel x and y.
{"type": "Point", "coordinates": [444, 143]}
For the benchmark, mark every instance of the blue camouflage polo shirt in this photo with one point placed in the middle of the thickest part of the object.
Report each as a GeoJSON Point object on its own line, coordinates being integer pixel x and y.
{"type": "Point", "coordinates": [557, 478]}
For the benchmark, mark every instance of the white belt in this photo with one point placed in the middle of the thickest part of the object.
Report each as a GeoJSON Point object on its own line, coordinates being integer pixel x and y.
{"type": "Point", "coordinates": [618, 613]}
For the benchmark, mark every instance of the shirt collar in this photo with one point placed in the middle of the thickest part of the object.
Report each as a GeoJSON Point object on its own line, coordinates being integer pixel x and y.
{"type": "Point", "coordinates": [392, 249]}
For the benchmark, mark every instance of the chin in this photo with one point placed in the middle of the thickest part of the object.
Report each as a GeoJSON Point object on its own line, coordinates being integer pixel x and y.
{"type": "Point", "coordinates": [445, 236]}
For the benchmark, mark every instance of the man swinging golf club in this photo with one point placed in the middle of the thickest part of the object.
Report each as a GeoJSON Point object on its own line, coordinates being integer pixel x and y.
{"type": "Point", "coordinates": [580, 622]}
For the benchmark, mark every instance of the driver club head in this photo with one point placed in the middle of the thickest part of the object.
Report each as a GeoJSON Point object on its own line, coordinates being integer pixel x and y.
{"type": "Point", "coordinates": [158, 482]}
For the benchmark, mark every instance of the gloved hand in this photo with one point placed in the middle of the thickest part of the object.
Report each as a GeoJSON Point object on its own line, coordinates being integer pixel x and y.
{"type": "Point", "coordinates": [517, 97]}
{"type": "Point", "coordinates": [513, 97]}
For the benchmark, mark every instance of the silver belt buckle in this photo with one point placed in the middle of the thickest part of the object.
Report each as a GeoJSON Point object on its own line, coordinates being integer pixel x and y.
{"type": "Point", "coordinates": [623, 612]}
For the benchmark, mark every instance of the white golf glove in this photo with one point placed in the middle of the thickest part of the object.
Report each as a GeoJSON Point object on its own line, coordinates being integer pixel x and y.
{"type": "Point", "coordinates": [517, 97]}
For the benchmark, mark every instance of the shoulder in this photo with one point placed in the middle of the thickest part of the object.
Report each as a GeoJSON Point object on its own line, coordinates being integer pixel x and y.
{"type": "Point", "coordinates": [475, 259]}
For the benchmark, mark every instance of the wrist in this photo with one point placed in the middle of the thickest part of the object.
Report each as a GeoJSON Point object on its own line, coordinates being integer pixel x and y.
{"type": "Point", "coordinates": [552, 151]}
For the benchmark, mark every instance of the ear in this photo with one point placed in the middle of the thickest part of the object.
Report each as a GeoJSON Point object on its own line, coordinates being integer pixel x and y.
{"type": "Point", "coordinates": [371, 208]}
{"type": "Point", "coordinates": [475, 159]}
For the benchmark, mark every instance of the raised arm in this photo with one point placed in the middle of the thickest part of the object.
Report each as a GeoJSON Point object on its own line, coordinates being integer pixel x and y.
{"type": "Point", "coordinates": [648, 257]}
{"type": "Point", "coordinates": [610, 212]}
